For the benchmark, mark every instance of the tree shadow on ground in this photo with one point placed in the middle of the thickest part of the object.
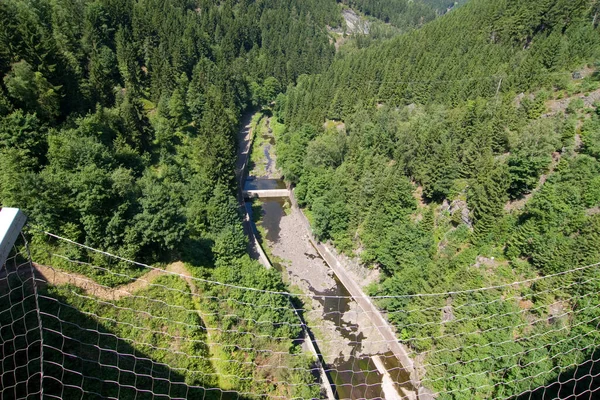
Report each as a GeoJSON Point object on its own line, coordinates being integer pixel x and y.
{"type": "Point", "coordinates": [581, 382]}
{"type": "Point", "coordinates": [82, 358]}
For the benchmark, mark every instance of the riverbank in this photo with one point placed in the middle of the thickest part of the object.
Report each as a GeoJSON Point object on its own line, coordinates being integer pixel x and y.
{"type": "Point", "coordinates": [348, 339]}
{"type": "Point", "coordinates": [360, 354]}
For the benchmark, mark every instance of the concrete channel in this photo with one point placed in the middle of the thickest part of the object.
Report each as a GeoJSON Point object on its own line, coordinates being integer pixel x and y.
{"type": "Point", "coordinates": [255, 249]}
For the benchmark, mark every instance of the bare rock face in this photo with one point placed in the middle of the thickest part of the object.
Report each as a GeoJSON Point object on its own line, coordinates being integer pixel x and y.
{"type": "Point", "coordinates": [461, 207]}
{"type": "Point", "coordinates": [448, 311]}
{"type": "Point", "coordinates": [445, 206]}
{"type": "Point", "coordinates": [354, 23]}
{"type": "Point", "coordinates": [518, 99]}
{"type": "Point", "coordinates": [448, 314]}
{"type": "Point", "coordinates": [557, 311]}
{"type": "Point", "coordinates": [485, 262]}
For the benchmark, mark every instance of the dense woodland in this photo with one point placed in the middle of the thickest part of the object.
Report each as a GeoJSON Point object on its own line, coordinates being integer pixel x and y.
{"type": "Point", "coordinates": [402, 13]}
{"type": "Point", "coordinates": [118, 121]}
{"type": "Point", "coordinates": [422, 154]}
{"type": "Point", "coordinates": [121, 116]}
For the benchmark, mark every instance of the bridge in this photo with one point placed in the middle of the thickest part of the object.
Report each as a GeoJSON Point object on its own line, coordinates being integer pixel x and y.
{"type": "Point", "coordinates": [250, 194]}
{"type": "Point", "coordinates": [264, 188]}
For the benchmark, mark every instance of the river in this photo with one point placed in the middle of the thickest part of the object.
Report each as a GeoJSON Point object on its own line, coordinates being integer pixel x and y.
{"type": "Point", "coordinates": [346, 338]}
{"type": "Point", "coordinates": [357, 357]}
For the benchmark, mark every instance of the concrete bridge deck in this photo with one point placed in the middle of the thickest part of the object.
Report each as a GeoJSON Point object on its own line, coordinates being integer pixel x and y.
{"type": "Point", "coordinates": [264, 188]}
{"type": "Point", "coordinates": [266, 193]}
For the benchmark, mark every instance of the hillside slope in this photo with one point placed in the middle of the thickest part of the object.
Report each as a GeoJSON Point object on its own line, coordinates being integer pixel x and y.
{"type": "Point", "coordinates": [470, 52]}
{"type": "Point", "coordinates": [434, 135]}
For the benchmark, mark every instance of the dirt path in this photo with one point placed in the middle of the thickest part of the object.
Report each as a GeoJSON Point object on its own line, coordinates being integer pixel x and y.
{"type": "Point", "coordinates": [90, 287]}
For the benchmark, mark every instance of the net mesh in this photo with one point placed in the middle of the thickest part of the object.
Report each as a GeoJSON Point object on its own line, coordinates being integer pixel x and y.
{"type": "Point", "coordinates": [20, 329]}
{"type": "Point", "coordinates": [124, 330]}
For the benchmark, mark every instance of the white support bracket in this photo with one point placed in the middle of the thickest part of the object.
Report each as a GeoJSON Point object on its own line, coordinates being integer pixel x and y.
{"type": "Point", "coordinates": [12, 221]}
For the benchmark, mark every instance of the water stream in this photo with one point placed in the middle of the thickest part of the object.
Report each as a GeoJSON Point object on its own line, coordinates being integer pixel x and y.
{"type": "Point", "coordinates": [350, 355]}
{"type": "Point", "coordinates": [355, 375]}
{"type": "Point", "coordinates": [253, 183]}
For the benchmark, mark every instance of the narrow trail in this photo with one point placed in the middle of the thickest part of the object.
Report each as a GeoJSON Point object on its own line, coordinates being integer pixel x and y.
{"type": "Point", "coordinates": [47, 275]}
{"type": "Point", "coordinates": [90, 287]}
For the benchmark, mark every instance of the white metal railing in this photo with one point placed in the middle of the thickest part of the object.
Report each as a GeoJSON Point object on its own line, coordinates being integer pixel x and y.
{"type": "Point", "coordinates": [11, 223]}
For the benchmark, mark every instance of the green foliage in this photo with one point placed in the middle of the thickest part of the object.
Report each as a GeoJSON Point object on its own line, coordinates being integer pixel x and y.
{"type": "Point", "coordinates": [532, 154]}
{"type": "Point", "coordinates": [574, 106]}
{"type": "Point", "coordinates": [477, 50]}
{"type": "Point", "coordinates": [487, 197]}
{"type": "Point", "coordinates": [263, 95]}
{"type": "Point", "coordinates": [291, 150]}
{"type": "Point", "coordinates": [590, 135]}
{"type": "Point", "coordinates": [435, 113]}
{"type": "Point", "coordinates": [246, 318]}
{"type": "Point", "coordinates": [24, 132]}
{"type": "Point", "coordinates": [402, 13]}
{"type": "Point", "coordinates": [118, 125]}
{"type": "Point", "coordinates": [31, 90]}
{"type": "Point", "coordinates": [96, 330]}
{"type": "Point", "coordinates": [122, 116]}
{"type": "Point", "coordinates": [555, 231]}
{"type": "Point", "coordinates": [230, 244]}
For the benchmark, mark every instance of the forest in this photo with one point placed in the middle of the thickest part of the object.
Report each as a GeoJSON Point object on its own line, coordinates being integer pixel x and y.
{"type": "Point", "coordinates": [458, 150]}
{"type": "Point", "coordinates": [128, 112]}
{"type": "Point", "coordinates": [402, 14]}
{"type": "Point", "coordinates": [462, 155]}
{"type": "Point", "coordinates": [118, 123]}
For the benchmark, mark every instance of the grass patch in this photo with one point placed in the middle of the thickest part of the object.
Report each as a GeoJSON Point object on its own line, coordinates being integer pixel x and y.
{"type": "Point", "coordinates": [257, 160]}
{"type": "Point", "coordinates": [147, 105]}
{"type": "Point", "coordinates": [148, 336]}
{"type": "Point", "coordinates": [243, 323]}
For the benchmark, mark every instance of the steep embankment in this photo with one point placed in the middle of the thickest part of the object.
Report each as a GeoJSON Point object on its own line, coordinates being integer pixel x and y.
{"type": "Point", "coordinates": [459, 56]}
{"type": "Point", "coordinates": [437, 108]}
{"type": "Point", "coordinates": [558, 107]}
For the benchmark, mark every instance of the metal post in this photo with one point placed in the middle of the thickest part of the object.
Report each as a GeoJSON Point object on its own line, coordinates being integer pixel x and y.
{"type": "Point", "coordinates": [12, 221]}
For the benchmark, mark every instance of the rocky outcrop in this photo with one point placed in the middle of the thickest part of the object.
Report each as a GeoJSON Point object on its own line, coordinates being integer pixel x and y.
{"type": "Point", "coordinates": [460, 212]}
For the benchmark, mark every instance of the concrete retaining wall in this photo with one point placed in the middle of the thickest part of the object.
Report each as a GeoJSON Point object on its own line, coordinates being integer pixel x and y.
{"type": "Point", "coordinates": [310, 340]}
